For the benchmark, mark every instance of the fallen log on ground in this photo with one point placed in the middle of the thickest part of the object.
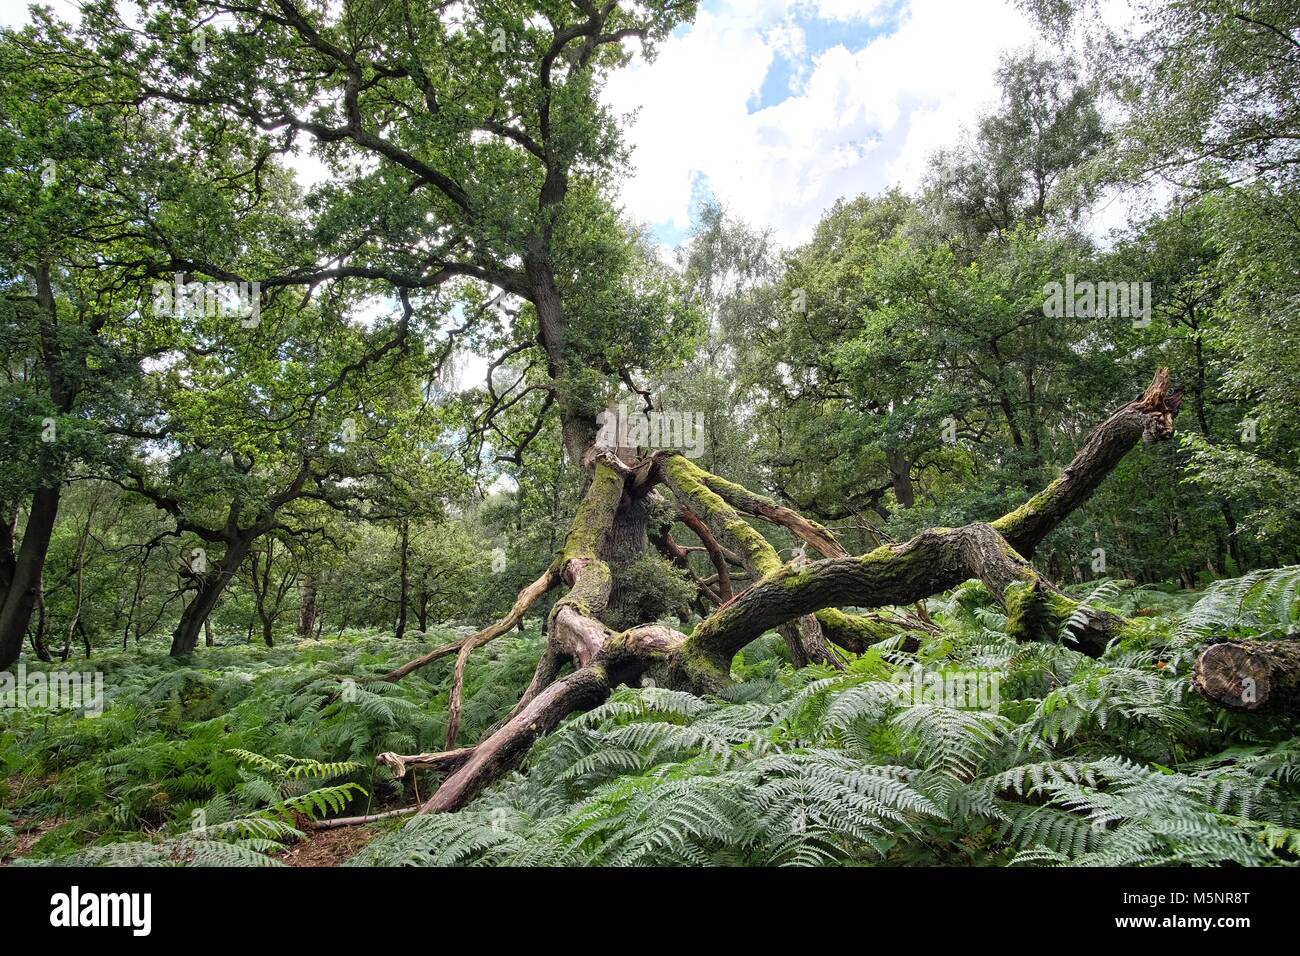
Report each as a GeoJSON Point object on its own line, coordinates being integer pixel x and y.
{"type": "Point", "coordinates": [805, 598]}
{"type": "Point", "coordinates": [1250, 676]}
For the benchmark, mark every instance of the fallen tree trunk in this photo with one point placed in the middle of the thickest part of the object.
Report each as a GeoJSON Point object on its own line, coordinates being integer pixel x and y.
{"type": "Point", "coordinates": [932, 562]}
{"type": "Point", "coordinates": [1250, 676]}
{"type": "Point", "coordinates": [789, 596]}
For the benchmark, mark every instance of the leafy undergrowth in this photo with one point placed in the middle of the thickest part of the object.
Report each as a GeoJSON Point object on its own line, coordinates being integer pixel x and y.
{"type": "Point", "coordinates": [1048, 757]}
{"type": "Point", "coordinates": [225, 761]}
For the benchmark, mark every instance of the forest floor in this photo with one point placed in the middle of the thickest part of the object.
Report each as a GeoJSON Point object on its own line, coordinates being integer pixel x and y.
{"type": "Point", "coordinates": [226, 760]}
{"type": "Point", "coordinates": [327, 847]}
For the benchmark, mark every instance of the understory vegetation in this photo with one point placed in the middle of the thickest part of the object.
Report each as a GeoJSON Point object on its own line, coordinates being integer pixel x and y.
{"type": "Point", "coordinates": [417, 493]}
{"type": "Point", "coordinates": [1078, 760]}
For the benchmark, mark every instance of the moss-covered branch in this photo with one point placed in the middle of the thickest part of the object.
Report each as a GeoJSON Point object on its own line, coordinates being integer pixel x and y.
{"type": "Point", "coordinates": [1149, 417]}
{"type": "Point", "coordinates": [932, 562]}
{"type": "Point", "coordinates": [722, 525]}
{"type": "Point", "coordinates": [741, 499]}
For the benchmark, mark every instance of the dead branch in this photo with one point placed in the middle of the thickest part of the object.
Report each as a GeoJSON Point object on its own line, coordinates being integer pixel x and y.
{"type": "Point", "coordinates": [526, 599]}
{"type": "Point", "coordinates": [446, 760]}
{"type": "Point", "coordinates": [359, 821]}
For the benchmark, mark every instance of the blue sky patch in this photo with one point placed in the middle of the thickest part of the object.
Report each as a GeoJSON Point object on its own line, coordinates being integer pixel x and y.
{"type": "Point", "coordinates": [821, 35]}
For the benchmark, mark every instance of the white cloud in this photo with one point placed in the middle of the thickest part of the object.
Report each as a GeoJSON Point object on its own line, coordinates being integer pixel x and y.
{"type": "Point", "coordinates": [862, 120]}
{"type": "Point", "coordinates": [14, 13]}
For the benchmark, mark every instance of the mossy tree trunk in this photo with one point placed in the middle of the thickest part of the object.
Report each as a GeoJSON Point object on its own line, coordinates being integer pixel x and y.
{"type": "Point", "coordinates": [805, 597]}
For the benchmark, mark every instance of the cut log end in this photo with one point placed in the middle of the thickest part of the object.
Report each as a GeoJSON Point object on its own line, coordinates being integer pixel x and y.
{"type": "Point", "coordinates": [1250, 676]}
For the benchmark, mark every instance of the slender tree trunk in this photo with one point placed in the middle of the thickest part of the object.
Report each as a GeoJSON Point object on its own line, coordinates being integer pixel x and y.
{"type": "Point", "coordinates": [262, 593]}
{"type": "Point", "coordinates": [38, 636]}
{"type": "Point", "coordinates": [75, 624]}
{"type": "Point", "coordinates": [422, 607]}
{"type": "Point", "coordinates": [307, 606]}
{"type": "Point", "coordinates": [20, 596]}
{"type": "Point", "coordinates": [135, 601]}
{"type": "Point", "coordinates": [404, 588]}
{"type": "Point", "coordinates": [208, 639]}
{"type": "Point", "coordinates": [20, 599]}
{"type": "Point", "coordinates": [1234, 544]}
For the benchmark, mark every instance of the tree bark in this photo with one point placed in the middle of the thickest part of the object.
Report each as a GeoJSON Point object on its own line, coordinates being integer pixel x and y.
{"type": "Point", "coordinates": [307, 606]}
{"type": "Point", "coordinates": [38, 635]}
{"type": "Point", "coordinates": [211, 586]}
{"type": "Point", "coordinates": [900, 474]}
{"type": "Point", "coordinates": [20, 599]}
{"type": "Point", "coordinates": [578, 426]}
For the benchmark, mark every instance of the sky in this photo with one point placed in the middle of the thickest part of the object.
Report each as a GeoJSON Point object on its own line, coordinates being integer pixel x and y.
{"type": "Point", "coordinates": [779, 107]}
